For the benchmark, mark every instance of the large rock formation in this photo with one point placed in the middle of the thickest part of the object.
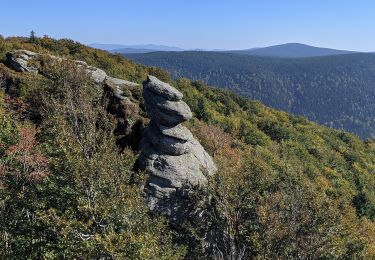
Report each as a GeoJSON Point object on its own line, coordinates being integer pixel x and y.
{"type": "Point", "coordinates": [174, 160]}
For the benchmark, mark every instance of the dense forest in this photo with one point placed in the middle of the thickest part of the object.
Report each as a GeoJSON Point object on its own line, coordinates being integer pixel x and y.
{"type": "Point", "coordinates": [286, 188]}
{"type": "Point", "coordinates": [337, 91]}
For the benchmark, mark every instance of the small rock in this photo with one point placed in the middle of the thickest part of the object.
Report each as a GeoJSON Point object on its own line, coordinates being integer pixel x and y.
{"type": "Point", "coordinates": [95, 74]}
{"type": "Point", "coordinates": [19, 60]}
{"type": "Point", "coordinates": [161, 88]}
{"type": "Point", "coordinates": [165, 112]}
{"type": "Point", "coordinates": [178, 131]}
{"type": "Point", "coordinates": [166, 144]}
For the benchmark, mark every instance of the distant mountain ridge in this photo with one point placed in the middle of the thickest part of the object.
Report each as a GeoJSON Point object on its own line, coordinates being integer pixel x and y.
{"type": "Point", "coordinates": [131, 50]}
{"type": "Point", "coordinates": [292, 50]}
{"type": "Point", "coordinates": [288, 50]}
{"type": "Point", "coordinates": [138, 48]}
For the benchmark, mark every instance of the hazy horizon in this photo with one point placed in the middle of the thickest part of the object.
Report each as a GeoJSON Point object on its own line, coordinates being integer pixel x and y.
{"type": "Point", "coordinates": [344, 24]}
{"type": "Point", "coordinates": [252, 47]}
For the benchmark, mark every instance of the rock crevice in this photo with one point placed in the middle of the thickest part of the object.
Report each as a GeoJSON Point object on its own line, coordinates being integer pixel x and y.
{"type": "Point", "coordinates": [173, 158]}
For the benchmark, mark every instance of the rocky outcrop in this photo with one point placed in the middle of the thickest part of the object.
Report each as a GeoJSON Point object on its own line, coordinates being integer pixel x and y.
{"type": "Point", "coordinates": [122, 101]}
{"type": "Point", "coordinates": [19, 60]}
{"type": "Point", "coordinates": [25, 61]}
{"type": "Point", "coordinates": [173, 158]}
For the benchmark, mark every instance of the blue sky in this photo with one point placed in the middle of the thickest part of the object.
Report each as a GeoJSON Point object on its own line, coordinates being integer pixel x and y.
{"type": "Point", "coordinates": [231, 24]}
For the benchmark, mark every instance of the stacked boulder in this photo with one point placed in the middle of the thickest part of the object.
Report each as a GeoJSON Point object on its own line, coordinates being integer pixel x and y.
{"type": "Point", "coordinates": [173, 158]}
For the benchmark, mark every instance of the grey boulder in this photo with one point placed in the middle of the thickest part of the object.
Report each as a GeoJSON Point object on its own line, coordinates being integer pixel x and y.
{"type": "Point", "coordinates": [19, 60]}
{"type": "Point", "coordinates": [167, 144]}
{"type": "Point", "coordinates": [95, 74]}
{"type": "Point", "coordinates": [166, 112]}
{"type": "Point", "coordinates": [161, 88]}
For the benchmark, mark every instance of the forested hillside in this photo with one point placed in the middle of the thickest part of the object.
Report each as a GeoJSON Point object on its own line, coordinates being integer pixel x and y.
{"type": "Point", "coordinates": [337, 91]}
{"type": "Point", "coordinates": [286, 188]}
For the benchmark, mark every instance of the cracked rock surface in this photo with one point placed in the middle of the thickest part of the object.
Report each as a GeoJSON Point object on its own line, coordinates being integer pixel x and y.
{"type": "Point", "coordinates": [170, 154]}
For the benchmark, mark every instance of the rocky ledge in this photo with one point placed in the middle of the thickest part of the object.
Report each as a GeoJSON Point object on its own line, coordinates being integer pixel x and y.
{"type": "Point", "coordinates": [24, 61]}
{"type": "Point", "coordinates": [173, 158]}
{"type": "Point", "coordinates": [120, 92]}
